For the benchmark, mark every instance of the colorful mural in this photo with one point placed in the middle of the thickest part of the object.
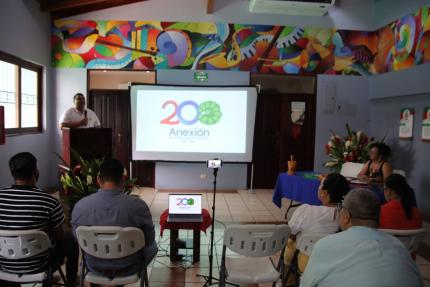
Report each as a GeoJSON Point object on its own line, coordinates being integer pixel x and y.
{"type": "Point", "coordinates": [256, 48]}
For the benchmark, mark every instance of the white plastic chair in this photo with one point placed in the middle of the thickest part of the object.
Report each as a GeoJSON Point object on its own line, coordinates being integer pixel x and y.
{"type": "Point", "coordinates": [25, 244]}
{"type": "Point", "coordinates": [351, 169]}
{"type": "Point", "coordinates": [111, 242]}
{"type": "Point", "coordinates": [399, 171]}
{"type": "Point", "coordinates": [305, 244]}
{"type": "Point", "coordinates": [253, 243]}
{"type": "Point", "coordinates": [410, 238]}
{"type": "Point", "coordinates": [306, 241]}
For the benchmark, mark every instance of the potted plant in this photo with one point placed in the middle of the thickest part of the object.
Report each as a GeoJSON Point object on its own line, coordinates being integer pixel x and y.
{"type": "Point", "coordinates": [81, 180]}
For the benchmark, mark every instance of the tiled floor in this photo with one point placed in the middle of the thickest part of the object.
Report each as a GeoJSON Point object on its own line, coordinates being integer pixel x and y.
{"type": "Point", "coordinates": [238, 207]}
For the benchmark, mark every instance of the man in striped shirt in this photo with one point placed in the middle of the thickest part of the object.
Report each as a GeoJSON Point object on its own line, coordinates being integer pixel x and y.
{"type": "Point", "coordinates": [24, 207]}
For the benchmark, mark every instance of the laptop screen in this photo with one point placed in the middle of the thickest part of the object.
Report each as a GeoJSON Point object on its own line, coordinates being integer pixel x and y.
{"type": "Point", "coordinates": [185, 204]}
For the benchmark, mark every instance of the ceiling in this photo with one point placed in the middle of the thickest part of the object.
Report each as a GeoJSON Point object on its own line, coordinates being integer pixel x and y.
{"type": "Point", "coordinates": [67, 8]}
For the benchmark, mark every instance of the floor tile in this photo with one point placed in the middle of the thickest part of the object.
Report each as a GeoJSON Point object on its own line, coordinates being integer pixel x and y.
{"type": "Point", "coordinates": [174, 274]}
{"type": "Point", "coordinates": [175, 283]}
{"type": "Point", "coordinates": [425, 271]}
{"type": "Point", "coordinates": [191, 274]}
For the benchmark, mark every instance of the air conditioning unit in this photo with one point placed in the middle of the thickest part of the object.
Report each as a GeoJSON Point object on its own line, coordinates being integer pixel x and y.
{"type": "Point", "coordinates": [289, 7]}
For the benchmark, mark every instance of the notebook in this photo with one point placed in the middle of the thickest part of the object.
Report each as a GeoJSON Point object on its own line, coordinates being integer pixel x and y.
{"type": "Point", "coordinates": [185, 208]}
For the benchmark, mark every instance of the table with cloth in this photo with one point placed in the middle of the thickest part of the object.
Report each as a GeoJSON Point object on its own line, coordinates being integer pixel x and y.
{"type": "Point", "coordinates": [174, 230]}
{"type": "Point", "coordinates": [301, 187]}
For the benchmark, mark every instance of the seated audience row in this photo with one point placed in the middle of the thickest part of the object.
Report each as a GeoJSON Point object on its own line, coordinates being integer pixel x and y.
{"type": "Point", "coordinates": [25, 207]}
{"type": "Point", "coordinates": [360, 255]}
{"type": "Point", "coordinates": [400, 212]}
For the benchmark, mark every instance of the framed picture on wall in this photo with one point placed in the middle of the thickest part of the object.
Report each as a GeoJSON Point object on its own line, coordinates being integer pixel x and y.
{"type": "Point", "coordinates": [406, 123]}
{"type": "Point", "coordinates": [425, 130]}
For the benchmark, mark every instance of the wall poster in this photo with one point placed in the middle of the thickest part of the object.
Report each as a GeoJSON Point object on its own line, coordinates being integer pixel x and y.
{"type": "Point", "coordinates": [406, 123]}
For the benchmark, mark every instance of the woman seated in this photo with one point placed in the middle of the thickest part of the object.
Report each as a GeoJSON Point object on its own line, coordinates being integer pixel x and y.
{"type": "Point", "coordinates": [316, 219]}
{"type": "Point", "coordinates": [377, 168]}
{"type": "Point", "coordinates": [400, 211]}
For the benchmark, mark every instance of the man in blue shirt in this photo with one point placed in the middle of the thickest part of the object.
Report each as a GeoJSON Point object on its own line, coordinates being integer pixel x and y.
{"type": "Point", "coordinates": [109, 206]}
{"type": "Point", "coordinates": [361, 255]}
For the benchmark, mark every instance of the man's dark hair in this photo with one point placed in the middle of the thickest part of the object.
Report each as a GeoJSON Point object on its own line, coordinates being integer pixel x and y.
{"type": "Point", "coordinates": [337, 187]}
{"type": "Point", "coordinates": [382, 148]}
{"type": "Point", "coordinates": [78, 95]}
{"type": "Point", "coordinates": [22, 165]}
{"type": "Point", "coordinates": [111, 170]}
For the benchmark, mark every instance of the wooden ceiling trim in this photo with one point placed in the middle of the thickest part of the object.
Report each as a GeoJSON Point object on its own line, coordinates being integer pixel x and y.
{"type": "Point", "coordinates": [210, 6]}
{"type": "Point", "coordinates": [67, 8]}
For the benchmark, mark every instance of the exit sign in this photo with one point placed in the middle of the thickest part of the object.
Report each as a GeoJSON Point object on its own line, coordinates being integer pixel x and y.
{"type": "Point", "coordinates": [201, 77]}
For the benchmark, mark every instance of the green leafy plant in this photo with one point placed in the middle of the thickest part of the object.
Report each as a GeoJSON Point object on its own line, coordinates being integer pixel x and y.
{"type": "Point", "coordinates": [354, 147]}
{"type": "Point", "coordinates": [81, 180]}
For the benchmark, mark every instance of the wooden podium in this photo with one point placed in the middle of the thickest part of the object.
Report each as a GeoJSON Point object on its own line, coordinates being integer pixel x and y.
{"type": "Point", "coordinates": [89, 143]}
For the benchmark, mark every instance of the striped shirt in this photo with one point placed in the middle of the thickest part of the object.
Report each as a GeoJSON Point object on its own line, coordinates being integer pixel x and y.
{"type": "Point", "coordinates": [25, 208]}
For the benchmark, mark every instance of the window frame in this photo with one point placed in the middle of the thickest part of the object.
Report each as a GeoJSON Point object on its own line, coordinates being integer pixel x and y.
{"type": "Point", "coordinates": [21, 63]}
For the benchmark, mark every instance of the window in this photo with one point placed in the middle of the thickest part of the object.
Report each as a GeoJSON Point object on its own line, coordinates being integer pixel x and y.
{"type": "Point", "coordinates": [20, 94]}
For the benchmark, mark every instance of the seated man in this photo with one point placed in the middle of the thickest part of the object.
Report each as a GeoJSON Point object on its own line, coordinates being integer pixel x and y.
{"type": "Point", "coordinates": [24, 207]}
{"type": "Point", "coordinates": [316, 219]}
{"type": "Point", "coordinates": [109, 206]}
{"type": "Point", "coordinates": [361, 255]}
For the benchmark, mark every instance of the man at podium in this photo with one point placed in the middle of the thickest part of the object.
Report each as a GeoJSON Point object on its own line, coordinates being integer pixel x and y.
{"type": "Point", "coordinates": [79, 116]}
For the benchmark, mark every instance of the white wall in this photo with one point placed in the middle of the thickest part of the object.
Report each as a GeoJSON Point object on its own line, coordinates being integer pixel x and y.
{"type": "Point", "coordinates": [387, 11]}
{"type": "Point", "coordinates": [65, 84]}
{"type": "Point", "coordinates": [348, 14]}
{"type": "Point", "coordinates": [389, 93]}
{"type": "Point", "coordinates": [340, 100]}
{"type": "Point", "coordinates": [25, 33]}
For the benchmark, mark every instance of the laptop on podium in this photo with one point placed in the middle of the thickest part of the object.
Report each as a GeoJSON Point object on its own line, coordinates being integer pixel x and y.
{"type": "Point", "coordinates": [185, 208]}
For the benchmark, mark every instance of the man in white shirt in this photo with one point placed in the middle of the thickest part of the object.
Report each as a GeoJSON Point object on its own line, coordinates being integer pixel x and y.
{"type": "Point", "coordinates": [360, 255]}
{"type": "Point", "coordinates": [79, 116]}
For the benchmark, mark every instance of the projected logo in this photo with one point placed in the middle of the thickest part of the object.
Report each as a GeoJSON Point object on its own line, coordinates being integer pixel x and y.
{"type": "Point", "coordinates": [184, 202]}
{"type": "Point", "coordinates": [189, 113]}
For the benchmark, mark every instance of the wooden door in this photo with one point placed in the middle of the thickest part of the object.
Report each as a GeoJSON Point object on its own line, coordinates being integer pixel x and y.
{"type": "Point", "coordinates": [278, 134]}
{"type": "Point", "coordinates": [113, 110]}
{"type": "Point", "coordinates": [298, 139]}
{"type": "Point", "coordinates": [267, 137]}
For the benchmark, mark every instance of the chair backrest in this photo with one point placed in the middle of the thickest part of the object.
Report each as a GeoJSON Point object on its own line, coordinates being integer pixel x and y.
{"type": "Point", "coordinates": [256, 240]}
{"type": "Point", "coordinates": [21, 244]}
{"type": "Point", "coordinates": [110, 242]}
{"type": "Point", "coordinates": [351, 169]}
{"type": "Point", "coordinates": [410, 238]}
{"type": "Point", "coordinates": [306, 241]}
{"type": "Point", "coordinates": [399, 171]}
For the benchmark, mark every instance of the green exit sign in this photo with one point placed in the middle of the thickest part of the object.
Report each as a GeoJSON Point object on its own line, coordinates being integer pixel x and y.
{"type": "Point", "coordinates": [201, 77]}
